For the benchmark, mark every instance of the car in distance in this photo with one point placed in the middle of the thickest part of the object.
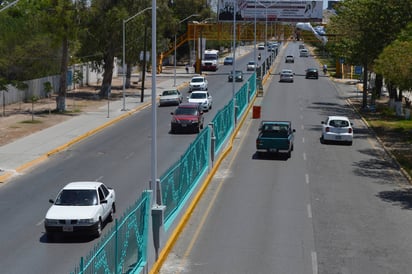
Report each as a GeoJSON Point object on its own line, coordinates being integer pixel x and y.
{"type": "Point", "coordinates": [303, 53]}
{"type": "Point", "coordinates": [261, 47]}
{"type": "Point", "coordinates": [228, 61]}
{"type": "Point", "coordinates": [198, 83]}
{"type": "Point", "coordinates": [203, 98]}
{"type": "Point", "coordinates": [251, 65]}
{"type": "Point", "coordinates": [238, 76]}
{"type": "Point", "coordinates": [289, 59]}
{"type": "Point", "coordinates": [312, 73]}
{"type": "Point", "coordinates": [286, 75]}
{"type": "Point", "coordinates": [80, 208]}
{"type": "Point", "coordinates": [170, 97]}
{"type": "Point", "coordinates": [301, 46]}
{"type": "Point", "coordinates": [337, 129]}
{"type": "Point", "coordinates": [188, 117]}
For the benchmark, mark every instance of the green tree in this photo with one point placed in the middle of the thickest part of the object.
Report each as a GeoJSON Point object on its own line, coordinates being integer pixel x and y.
{"type": "Point", "coordinates": [365, 28]}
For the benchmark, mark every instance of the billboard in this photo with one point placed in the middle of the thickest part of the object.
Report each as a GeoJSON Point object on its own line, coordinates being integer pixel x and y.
{"type": "Point", "coordinates": [270, 10]}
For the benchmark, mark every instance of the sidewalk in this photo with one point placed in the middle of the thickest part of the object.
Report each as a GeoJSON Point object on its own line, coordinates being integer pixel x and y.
{"type": "Point", "coordinates": [24, 153]}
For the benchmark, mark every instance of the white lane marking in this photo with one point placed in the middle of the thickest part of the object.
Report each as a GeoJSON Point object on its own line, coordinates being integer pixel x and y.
{"type": "Point", "coordinates": [303, 139]}
{"type": "Point", "coordinates": [307, 178]}
{"type": "Point", "coordinates": [301, 117]}
{"type": "Point", "coordinates": [304, 157]}
{"type": "Point", "coordinates": [314, 263]}
{"type": "Point", "coordinates": [302, 127]}
{"type": "Point", "coordinates": [309, 208]}
{"type": "Point", "coordinates": [40, 223]}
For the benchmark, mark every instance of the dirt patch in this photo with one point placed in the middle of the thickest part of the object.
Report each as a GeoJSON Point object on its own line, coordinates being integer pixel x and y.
{"type": "Point", "coordinates": [22, 119]}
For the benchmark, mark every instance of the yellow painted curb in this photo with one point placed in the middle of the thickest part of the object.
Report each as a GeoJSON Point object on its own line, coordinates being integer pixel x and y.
{"type": "Point", "coordinates": [41, 158]}
{"type": "Point", "coordinates": [186, 216]}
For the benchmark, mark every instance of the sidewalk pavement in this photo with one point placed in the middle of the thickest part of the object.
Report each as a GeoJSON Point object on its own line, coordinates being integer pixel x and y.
{"type": "Point", "coordinates": [24, 153]}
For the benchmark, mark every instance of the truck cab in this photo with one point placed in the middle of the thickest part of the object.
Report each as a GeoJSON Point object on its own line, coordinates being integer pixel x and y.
{"type": "Point", "coordinates": [210, 60]}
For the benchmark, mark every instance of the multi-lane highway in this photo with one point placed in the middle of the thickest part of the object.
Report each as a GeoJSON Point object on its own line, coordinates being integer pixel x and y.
{"type": "Point", "coordinates": [119, 156]}
{"type": "Point", "coordinates": [328, 209]}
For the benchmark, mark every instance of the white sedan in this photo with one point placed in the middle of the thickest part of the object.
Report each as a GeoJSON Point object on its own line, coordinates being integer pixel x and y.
{"type": "Point", "coordinates": [203, 98]}
{"type": "Point", "coordinates": [80, 208]}
{"type": "Point", "coordinates": [337, 129]}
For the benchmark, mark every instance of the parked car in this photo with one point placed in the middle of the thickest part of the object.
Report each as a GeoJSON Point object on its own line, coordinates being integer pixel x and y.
{"type": "Point", "coordinates": [238, 76]}
{"type": "Point", "coordinates": [303, 53]}
{"type": "Point", "coordinates": [80, 208]}
{"type": "Point", "coordinates": [170, 97]}
{"type": "Point", "coordinates": [312, 73]}
{"type": "Point", "coordinates": [187, 117]}
{"type": "Point", "coordinates": [198, 83]}
{"type": "Point", "coordinates": [251, 65]}
{"type": "Point", "coordinates": [337, 129]}
{"type": "Point", "coordinates": [286, 75]}
{"type": "Point", "coordinates": [289, 59]}
{"type": "Point", "coordinates": [228, 61]}
{"type": "Point", "coordinates": [261, 47]}
{"type": "Point", "coordinates": [203, 98]}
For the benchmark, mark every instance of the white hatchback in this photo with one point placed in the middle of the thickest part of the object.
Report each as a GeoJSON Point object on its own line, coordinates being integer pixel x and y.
{"type": "Point", "coordinates": [203, 98]}
{"type": "Point", "coordinates": [337, 129]}
{"type": "Point", "coordinates": [80, 208]}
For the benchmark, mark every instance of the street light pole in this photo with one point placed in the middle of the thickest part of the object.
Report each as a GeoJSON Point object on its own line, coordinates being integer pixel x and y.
{"type": "Point", "coordinates": [124, 54]}
{"type": "Point", "coordinates": [181, 21]}
{"type": "Point", "coordinates": [234, 62]}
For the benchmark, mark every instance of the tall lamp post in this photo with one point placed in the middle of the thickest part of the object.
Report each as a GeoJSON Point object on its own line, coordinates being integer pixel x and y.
{"type": "Point", "coordinates": [234, 62]}
{"type": "Point", "coordinates": [181, 21]}
{"type": "Point", "coordinates": [124, 54]}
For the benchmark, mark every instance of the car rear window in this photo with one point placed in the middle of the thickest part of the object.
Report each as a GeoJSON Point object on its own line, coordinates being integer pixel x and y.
{"type": "Point", "coordinates": [339, 123]}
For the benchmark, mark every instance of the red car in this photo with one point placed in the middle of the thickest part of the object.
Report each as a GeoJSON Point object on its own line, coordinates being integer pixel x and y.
{"type": "Point", "coordinates": [187, 117]}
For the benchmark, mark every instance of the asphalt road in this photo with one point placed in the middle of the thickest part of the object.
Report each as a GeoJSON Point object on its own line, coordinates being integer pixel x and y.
{"type": "Point", "coordinates": [328, 209]}
{"type": "Point", "coordinates": [119, 156]}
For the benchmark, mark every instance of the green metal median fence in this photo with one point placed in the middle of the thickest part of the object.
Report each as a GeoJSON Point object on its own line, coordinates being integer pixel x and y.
{"type": "Point", "coordinates": [123, 249]}
{"type": "Point", "coordinates": [242, 100]}
{"type": "Point", "coordinates": [223, 125]}
{"type": "Point", "coordinates": [178, 181]}
{"type": "Point", "coordinates": [252, 86]}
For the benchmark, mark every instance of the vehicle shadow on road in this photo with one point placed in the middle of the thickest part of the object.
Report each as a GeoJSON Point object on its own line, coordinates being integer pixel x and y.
{"type": "Point", "coordinates": [270, 156]}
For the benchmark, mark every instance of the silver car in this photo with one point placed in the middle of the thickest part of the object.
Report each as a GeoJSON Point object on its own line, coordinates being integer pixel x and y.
{"type": "Point", "coordinates": [286, 75]}
{"type": "Point", "coordinates": [170, 97]}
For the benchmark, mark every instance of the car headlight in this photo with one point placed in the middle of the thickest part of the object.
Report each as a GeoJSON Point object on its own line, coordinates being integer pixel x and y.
{"type": "Point", "coordinates": [86, 221]}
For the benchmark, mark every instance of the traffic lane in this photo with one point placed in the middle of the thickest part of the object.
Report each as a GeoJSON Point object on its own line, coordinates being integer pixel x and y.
{"type": "Point", "coordinates": [120, 160]}
{"type": "Point", "coordinates": [119, 156]}
{"type": "Point", "coordinates": [258, 215]}
{"type": "Point", "coordinates": [259, 220]}
{"type": "Point", "coordinates": [350, 186]}
{"type": "Point", "coordinates": [355, 209]}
